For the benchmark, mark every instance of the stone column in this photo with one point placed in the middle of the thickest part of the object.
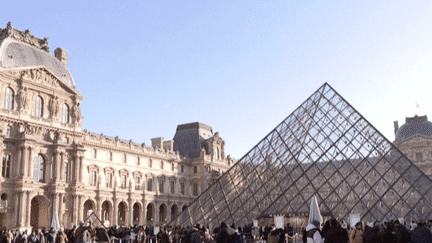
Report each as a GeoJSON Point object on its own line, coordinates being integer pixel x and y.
{"type": "Point", "coordinates": [20, 209]}
{"type": "Point", "coordinates": [56, 166]}
{"type": "Point", "coordinates": [74, 209]}
{"type": "Point", "coordinates": [98, 207]}
{"type": "Point", "coordinates": [23, 161]}
{"type": "Point", "coordinates": [115, 212]}
{"type": "Point", "coordinates": [54, 205]}
{"type": "Point", "coordinates": [143, 213]}
{"type": "Point", "coordinates": [129, 216]}
{"type": "Point", "coordinates": [80, 210]}
{"type": "Point", "coordinates": [28, 214]}
{"type": "Point", "coordinates": [18, 162]}
{"type": "Point", "coordinates": [80, 169]}
{"type": "Point", "coordinates": [60, 208]}
{"type": "Point", "coordinates": [156, 214]}
{"type": "Point", "coordinates": [61, 164]}
{"type": "Point", "coordinates": [29, 163]}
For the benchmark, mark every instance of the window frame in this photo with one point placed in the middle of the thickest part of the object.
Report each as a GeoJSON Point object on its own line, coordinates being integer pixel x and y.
{"type": "Point", "coordinates": [8, 99]}
{"type": "Point", "coordinates": [39, 106]}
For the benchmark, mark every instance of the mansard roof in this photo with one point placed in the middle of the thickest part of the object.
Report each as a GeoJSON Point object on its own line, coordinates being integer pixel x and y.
{"type": "Point", "coordinates": [20, 49]}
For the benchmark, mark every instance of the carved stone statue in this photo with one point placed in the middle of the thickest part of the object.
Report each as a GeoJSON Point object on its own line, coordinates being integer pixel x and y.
{"type": "Point", "coordinates": [54, 106]}
{"type": "Point", "coordinates": [23, 99]}
{"type": "Point", "coordinates": [77, 113]}
{"type": "Point", "coordinates": [44, 44]}
{"type": "Point", "coordinates": [27, 38]}
{"type": "Point", "coordinates": [396, 126]}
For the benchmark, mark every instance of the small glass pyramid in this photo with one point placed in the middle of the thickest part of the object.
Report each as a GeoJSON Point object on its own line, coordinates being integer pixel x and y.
{"type": "Point", "coordinates": [324, 148]}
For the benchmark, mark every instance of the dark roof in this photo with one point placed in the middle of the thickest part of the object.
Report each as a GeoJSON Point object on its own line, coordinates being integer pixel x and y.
{"type": "Point", "coordinates": [417, 125]}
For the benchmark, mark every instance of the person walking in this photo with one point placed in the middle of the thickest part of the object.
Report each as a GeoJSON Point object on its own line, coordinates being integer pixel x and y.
{"type": "Point", "coordinates": [356, 235]}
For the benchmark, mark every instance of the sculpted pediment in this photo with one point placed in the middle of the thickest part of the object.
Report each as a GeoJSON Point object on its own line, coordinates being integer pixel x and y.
{"type": "Point", "coordinates": [41, 75]}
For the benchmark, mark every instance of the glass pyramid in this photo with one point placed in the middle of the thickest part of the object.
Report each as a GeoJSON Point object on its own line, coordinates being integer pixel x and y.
{"type": "Point", "coordinates": [324, 148]}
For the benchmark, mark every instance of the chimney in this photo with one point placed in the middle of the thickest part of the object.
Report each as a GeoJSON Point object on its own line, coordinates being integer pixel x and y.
{"type": "Point", "coordinates": [157, 142]}
{"type": "Point", "coordinates": [168, 145]}
{"type": "Point", "coordinates": [61, 54]}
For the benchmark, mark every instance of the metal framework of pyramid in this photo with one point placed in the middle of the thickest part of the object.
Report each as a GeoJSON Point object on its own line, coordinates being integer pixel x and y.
{"type": "Point", "coordinates": [324, 148]}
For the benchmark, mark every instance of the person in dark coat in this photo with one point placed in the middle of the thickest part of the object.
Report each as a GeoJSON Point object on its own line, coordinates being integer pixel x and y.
{"type": "Point", "coordinates": [402, 233]}
{"type": "Point", "coordinates": [336, 234]}
{"type": "Point", "coordinates": [373, 236]}
{"type": "Point", "coordinates": [421, 234]}
{"type": "Point", "coordinates": [224, 235]}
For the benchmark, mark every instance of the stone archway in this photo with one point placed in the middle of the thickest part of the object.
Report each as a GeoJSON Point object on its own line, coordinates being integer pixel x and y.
{"type": "Point", "coordinates": [174, 211]}
{"type": "Point", "coordinates": [162, 213]}
{"type": "Point", "coordinates": [106, 213]}
{"type": "Point", "coordinates": [39, 212]}
{"type": "Point", "coordinates": [150, 212]}
{"type": "Point", "coordinates": [122, 214]}
{"type": "Point", "coordinates": [136, 213]}
{"type": "Point", "coordinates": [88, 205]}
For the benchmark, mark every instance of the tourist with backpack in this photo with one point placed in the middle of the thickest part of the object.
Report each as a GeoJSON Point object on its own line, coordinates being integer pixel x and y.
{"type": "Point", "coordinates": [313, 234]}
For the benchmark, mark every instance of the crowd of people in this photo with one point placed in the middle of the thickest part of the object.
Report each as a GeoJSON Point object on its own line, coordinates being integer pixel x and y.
{"type": "Point", "coordinates": [330, 232]}
{"type": "Point", "coordinates": [389, 232]}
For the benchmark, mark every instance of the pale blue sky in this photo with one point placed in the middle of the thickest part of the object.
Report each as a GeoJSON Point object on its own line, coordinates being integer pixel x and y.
{"type": "Point", "coordinates": [241, 67]}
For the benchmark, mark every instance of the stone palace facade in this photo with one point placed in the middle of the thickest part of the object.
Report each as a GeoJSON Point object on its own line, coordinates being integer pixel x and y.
{"type": "Point", "coordinates": [49, 164]}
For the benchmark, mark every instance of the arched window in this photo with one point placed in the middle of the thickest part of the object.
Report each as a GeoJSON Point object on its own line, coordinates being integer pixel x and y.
{"type": "Point", "coordinates": [38, 107]}
{"type": "Point", "coordinates": [65, 113]}
{"type": "Point", "coordinates": [8, 99]}
{"type": "Point", "coordinates": [6, 165]}
{"type": "Point", "coordinates": [38, 168]}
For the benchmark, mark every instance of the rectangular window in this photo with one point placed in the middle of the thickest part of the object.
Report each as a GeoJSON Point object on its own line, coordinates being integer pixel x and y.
{"type": "Point", "coordinates": [109, 180]}
{"type": "Point", "coordinates": [150, 185]}
{"type": "Point", "coordinates": [161, 186]}
{"type": "Point", "coordinates": [6, 166]}
{"type": "Point", "coordinates": [182, 169]}
{"type": "Point", "coordinates": [92, 178]}
{"type": "Point", "coordinates": [123, 181]}
{"type": "Point", "coordinates": [172, 187]}
{"type": "Point", "coordinates": [195, 189]}
{"type": "Point", "coordinates": [65, 176]}
{"type": "Point", "coordinates": [182, 188]}
{"type": "Point", "coordinates": [137, 183]}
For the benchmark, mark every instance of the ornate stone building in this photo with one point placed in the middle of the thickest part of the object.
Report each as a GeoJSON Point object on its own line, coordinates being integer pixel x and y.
{"type": "Point", "coordinates": [49, 164]}
{"type": "Point", "coordinates": [414, 139]}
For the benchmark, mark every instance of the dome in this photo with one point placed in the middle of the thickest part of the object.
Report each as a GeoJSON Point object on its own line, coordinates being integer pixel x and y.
{"type": "Point", "coordinates": [417, 125]}
{"type": "Point", "coordinates": [21, 49]}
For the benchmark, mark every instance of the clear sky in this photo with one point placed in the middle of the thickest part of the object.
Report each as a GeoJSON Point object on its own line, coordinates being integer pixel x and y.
{"type": "Point", "coordinates": [241, 67]}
